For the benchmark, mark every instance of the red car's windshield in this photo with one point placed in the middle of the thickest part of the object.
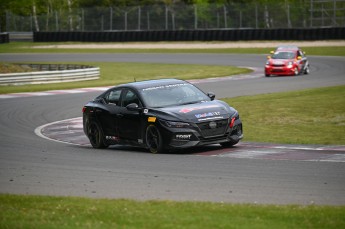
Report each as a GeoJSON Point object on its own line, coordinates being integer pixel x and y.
{"type": "Point", "coordinates": [283, 55]}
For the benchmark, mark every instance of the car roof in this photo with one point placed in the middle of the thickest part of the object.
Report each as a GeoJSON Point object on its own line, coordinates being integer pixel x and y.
{"type": "Point", "coordinates": [152, 83]}
{"type": "Point", "coordinates": [287, 48]}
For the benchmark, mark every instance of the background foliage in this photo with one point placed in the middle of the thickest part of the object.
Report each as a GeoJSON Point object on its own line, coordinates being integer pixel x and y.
{"type": "Point", "coordinates": [51, 15]}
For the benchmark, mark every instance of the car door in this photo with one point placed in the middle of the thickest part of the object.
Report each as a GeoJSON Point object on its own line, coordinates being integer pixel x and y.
{"type": "Point", "coordinates": [108, 116]}
{"type": "Point", "coordinates": [301, 60]}
{"type": "Point", "coordinates": [129, 122]}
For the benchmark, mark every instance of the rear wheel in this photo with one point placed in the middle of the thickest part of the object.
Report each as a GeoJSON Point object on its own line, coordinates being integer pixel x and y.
{"type": "Point", "coordinates": [96, 136]}
{"type": "Point", "coordinates": [154, 139]}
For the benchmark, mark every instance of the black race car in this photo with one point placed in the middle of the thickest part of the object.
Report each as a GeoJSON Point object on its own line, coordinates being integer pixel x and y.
{"type": "Point", "coordinates": [160, 115]}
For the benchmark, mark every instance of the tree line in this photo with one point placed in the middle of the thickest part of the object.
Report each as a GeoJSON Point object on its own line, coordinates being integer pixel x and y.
{"type": "Point", "coordinates": [35, 8]}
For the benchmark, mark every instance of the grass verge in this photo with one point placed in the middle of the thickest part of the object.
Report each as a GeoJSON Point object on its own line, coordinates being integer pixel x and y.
{"type": "Point", "coordinates": [117, 73]}
{"type": "Point", "coordinates": [12, 68]}
{"type": "Point", "coordinates": [314, 116]}
{"type": "Point", "coordinates": [27, 47]}
{"type": "Point", "coordinates": [71, 212]}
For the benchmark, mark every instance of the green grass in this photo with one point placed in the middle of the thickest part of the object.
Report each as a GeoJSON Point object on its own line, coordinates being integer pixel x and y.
{"type": "Point", "coordinates": [71, 212]}
{"type": "Point", "coordinates": [27, 47]}
{"type": "Point", "coordinates": [117, 73]}
{"type": "Point", "coordinates": [314, 116]}
{"type": "Point", "coordinates": [12, 68]}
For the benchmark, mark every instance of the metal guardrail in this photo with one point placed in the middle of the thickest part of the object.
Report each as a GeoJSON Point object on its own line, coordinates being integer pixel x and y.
{"type": "Point", "coordinates": [51, 73]}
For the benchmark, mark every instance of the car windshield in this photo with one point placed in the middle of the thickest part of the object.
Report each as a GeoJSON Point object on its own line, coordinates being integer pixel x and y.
{"type": "Point", "coordinates": [172, 95]}
{"type": "Point", "coordinates": [283, 55]}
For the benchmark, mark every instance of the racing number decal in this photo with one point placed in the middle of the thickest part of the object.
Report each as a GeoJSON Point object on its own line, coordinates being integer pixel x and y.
{"type": "Point", "coordinates": [151, 119]}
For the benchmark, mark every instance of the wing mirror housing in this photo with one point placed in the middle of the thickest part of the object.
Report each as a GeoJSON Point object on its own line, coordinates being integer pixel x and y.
{"type": "Point", "coordinates": [133, 107]}
{"type": "Point", "coordinates": [211, 95]}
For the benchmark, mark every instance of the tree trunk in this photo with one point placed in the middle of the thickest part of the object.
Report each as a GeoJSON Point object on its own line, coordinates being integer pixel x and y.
{"type": "Point", "coordinates": [34, 13]}
{"type": "Point", "coordinates": [70, 19]}
{"type": "Point", "coordinates": [267, 17]}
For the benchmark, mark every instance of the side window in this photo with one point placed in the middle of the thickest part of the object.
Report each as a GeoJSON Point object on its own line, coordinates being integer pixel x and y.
{"type": "Point", "coordinates": [129, 98]}
{"type": "Point", "coordinates": [113, 97]}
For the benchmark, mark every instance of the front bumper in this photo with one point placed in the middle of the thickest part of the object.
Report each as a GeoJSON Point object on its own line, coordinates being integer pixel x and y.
{"type": "Point", "coordinates": [283, 71]}
{"type": "Point", "coordinates": [186, 138]}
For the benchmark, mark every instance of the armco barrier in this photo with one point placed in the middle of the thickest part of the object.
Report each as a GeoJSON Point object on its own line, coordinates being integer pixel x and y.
{"type": "Point", "coordinates": [54, 76]}
{"type": "Point", "coordinates": [195, 35]}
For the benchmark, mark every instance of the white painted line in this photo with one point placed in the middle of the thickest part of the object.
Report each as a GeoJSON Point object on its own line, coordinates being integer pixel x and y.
{"type": "Point", "coordinates": [38, 131]}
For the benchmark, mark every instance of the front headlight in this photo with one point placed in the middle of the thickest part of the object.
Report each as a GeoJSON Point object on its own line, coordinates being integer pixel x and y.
{"type": "Point", "coordinates": [268, 62]}
{"type": "Point", "coordinates": [289, 65]}
{"type": "Point", "coordinates": [172, 124]}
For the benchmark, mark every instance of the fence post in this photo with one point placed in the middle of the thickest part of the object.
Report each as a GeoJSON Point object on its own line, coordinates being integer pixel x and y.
{"type": "Point", "coordinates": [111, 19]}
{"type": "Point", "coordinates": [148, 20]}
{"type": "Point", "coordinates": [225, 17]}
{"type": "Point", "coordinates": [82, 20]}
{"type": "Point", "coordinates": [166, 17]}
{"type": "Point", "coordinates": [256, 16]}
{"type": "Point", "coordinates": [7, 22]}
{"type": "Point", "coordinates": [125, 20]}
{"type": "Point", "coordinates": [195, 17]}
{"type": "Point", "coordinates": [139, 17]}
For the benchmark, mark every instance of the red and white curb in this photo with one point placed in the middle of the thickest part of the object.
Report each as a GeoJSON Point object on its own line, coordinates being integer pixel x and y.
{"type": "Point", "coordinates": [70, 131]}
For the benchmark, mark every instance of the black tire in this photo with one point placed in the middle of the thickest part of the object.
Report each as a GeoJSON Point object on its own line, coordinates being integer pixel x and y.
{"type": "Point", "coordinates": [267, 75]}
{"type": "Point", "coordinates": [154, 140]}
{"type": "Point", "coordinates": [306, 70]}
{"type": "Point", "coordinates": [96, 136]}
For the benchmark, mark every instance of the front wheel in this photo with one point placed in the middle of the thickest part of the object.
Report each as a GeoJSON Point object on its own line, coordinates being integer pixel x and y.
{"type": "Point", "coordinates": [154, 139]}
{"type": "Point", "coordinates": [96, 136]}
{"type": "Point", "coordinates": [306, 70]}
{"type": "Point", "coordinates": [296, 72]}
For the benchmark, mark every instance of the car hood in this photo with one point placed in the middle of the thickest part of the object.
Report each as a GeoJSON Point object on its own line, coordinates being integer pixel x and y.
{"type": "Point", "coordinates": [198, 112]}
{"type": "Point", "coordinates": [281, 61]}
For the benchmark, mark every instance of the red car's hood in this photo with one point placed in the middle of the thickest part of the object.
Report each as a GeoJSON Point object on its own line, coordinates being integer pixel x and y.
{"type": "Point", "coordinates": [281, 61]}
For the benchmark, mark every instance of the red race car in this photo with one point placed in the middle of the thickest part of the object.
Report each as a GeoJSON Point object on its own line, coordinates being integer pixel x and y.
{"type": "Point", "coordinates": [287, 61]}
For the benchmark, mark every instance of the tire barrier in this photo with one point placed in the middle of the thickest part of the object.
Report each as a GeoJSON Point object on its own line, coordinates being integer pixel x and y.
{"type": "Point", "coordinates": [4, 38]}
{"type": "Point", "coordinates": [51, 73]}
{"type": "Point", "coordinates": [194, 35]}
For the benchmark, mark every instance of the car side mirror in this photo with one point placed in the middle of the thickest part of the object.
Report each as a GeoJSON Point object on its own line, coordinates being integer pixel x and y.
{"type": "Point", "coordinates": [211, 95]}
{"type": "Point", "coordinates": [133, 107]}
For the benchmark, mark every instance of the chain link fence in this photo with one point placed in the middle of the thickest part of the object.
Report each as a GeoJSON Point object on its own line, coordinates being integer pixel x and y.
{"type": "Point", "coordinates": [303, 14]}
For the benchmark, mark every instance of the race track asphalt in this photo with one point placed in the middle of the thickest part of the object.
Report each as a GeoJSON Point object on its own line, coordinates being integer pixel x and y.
{"type": "Point", "coordinates": [33, 165]}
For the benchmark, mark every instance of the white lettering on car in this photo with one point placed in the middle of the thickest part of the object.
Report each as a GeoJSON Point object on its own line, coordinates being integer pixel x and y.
{"type": "Point", "coordinates": [187, 110]}
{"type": "Point", "coordinates": [183, 136]}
